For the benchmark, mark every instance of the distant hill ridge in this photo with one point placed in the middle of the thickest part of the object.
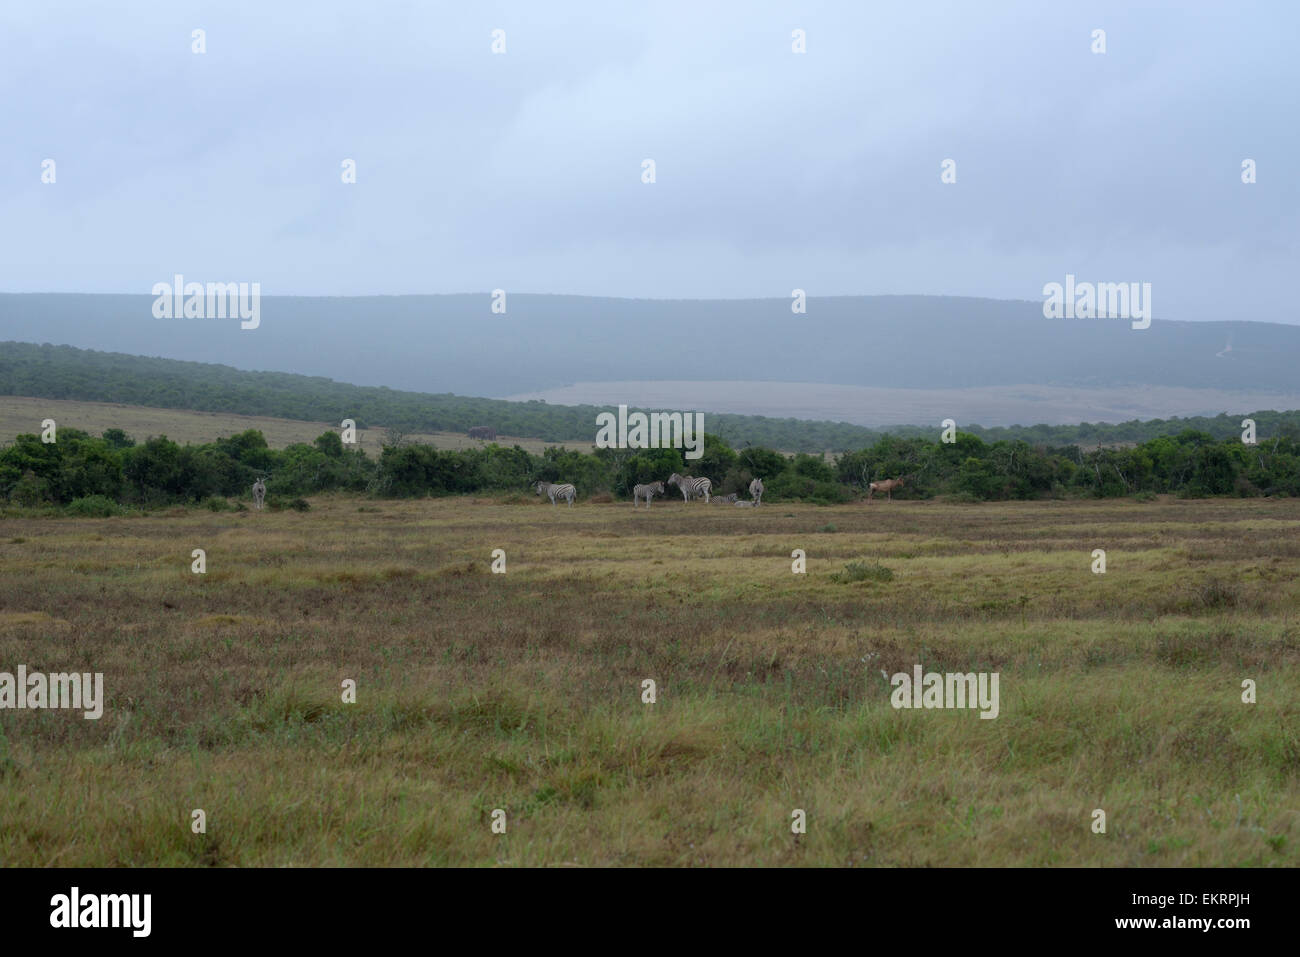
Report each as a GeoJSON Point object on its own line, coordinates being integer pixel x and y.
{"type": "Point", "coordinates": [64, 372]}
{"type": "Point", "coordinates": [455, 343]}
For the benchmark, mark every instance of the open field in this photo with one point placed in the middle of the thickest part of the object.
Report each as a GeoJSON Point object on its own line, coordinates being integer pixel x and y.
{"type": "Point", "coordinates": [522, 691]}
{"type": "Point", "coordinates": [19, 414]}
{"type": "Point", "coordinates": [883, 407]}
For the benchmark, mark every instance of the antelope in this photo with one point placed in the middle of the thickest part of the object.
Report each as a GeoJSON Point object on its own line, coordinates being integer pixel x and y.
{"type": "Point", "coordinates": [887, 486]}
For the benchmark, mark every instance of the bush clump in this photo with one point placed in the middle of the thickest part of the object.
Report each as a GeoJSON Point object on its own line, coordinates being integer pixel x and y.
{"type": "Point", "coordinates": [862, 572]}
{"type": "Point", "coordinates": [94, 506]}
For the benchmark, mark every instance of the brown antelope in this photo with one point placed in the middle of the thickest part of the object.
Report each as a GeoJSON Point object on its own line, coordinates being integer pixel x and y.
{"type": "Point", "coordinates": [887, 486]}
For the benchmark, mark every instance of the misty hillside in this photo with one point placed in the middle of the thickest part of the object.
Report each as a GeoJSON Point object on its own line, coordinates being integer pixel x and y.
{"type": "Point", "coordinates": [456, 344]}
{"type": "Point", "coordinates": [68, 373]}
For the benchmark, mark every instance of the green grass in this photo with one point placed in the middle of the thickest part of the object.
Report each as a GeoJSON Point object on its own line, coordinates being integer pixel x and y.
{"type": "Point", "coordinates": [522, 691]}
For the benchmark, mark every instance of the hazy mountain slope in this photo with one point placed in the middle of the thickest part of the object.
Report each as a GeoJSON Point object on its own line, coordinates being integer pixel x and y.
{"type": "Point", "coordinates": [67, 373]}
{"type": "Point", "coordinates": [455, 344]}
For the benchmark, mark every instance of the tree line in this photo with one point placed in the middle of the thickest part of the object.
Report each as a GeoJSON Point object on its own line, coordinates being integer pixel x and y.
{"type": "Point", "coordinates": [111, 471]}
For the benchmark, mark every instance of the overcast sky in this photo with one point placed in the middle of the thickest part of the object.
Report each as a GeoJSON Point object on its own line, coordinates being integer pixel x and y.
{"type": "Point", "coordinates": [775, 170]}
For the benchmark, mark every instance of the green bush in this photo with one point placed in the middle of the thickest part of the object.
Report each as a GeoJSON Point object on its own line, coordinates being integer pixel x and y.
{"type": "Point", "coordinates": [94, 506]}
{"type": "Point", "coordinates": [277, 503]}
{"type": "Point", "coordinates": [862, 572]}
{"type": "Point", "coordinates": [30, 490]}
{"type": "Point", "coordinates": [791, 485]}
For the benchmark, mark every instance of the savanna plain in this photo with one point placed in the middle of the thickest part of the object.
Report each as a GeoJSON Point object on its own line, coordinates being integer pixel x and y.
{"type": "Point", "coordinates": [523, 691]}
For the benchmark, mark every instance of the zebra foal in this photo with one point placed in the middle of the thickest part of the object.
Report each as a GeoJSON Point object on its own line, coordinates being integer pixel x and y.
{"type": "Point", "coordinates": [646, 492]}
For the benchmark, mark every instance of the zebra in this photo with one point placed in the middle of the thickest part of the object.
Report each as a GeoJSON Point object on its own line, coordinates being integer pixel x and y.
{"type": "Point", "coordinates": [646, 492]}
{"type": "Point", "coordinates": [691, 487]}
{"type": "Point", "coordinates": [726, 499]}
{"type": "Point", "coordinates": [743, 504]}
{"type": "Point", "coordinates": [756, 491]}
{"type": "Point", "coordinates": [259, 493]}
{"type": "Point", "coordinates": [565, 491]}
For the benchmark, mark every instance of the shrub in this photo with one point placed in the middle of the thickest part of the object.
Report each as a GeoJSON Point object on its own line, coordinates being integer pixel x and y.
{"type": "Point", "coordinates": [215, 503]}
{"type": "Point", "coordinates": [861, 572]}
{"type": "Point", "coordinates": [790, 486]}
{"type": "Point", "coordinates": [1217, 593]}
{"type": "Point", "coordinates": [277, 503]}
{"type": "Point", "coordinates": [30, 490]}
{"type": "Point", "coordinates": [1245, 488]}
{"type": "Point", "coordinates": [94, 506]}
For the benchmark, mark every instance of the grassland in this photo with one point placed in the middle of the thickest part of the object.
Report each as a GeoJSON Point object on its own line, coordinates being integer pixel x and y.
{"type": "Point", "coordinates": [19, 414]}
{"type": "Point", "coordinates": [889, 407]}
{"type": "Point", "coordinates": [522, 691]}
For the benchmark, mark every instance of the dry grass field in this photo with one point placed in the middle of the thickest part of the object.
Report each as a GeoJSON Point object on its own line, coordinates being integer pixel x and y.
{"type": "Point", "coordinates": [523, 691]}
{"type": "Point", "coordinates": [883, 406]}
{"type": "Point", "coordinates": [19, 414]}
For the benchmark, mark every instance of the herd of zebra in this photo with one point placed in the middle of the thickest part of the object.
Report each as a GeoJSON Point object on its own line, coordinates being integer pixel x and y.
{"type": "Point", "coordinates": [690, 488]}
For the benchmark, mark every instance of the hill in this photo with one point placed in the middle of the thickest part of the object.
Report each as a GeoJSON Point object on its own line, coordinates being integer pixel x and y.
{"type": "Point", "coordinates": [456, 344]}
{"type": "Point", "coordinates": [66, 373]}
